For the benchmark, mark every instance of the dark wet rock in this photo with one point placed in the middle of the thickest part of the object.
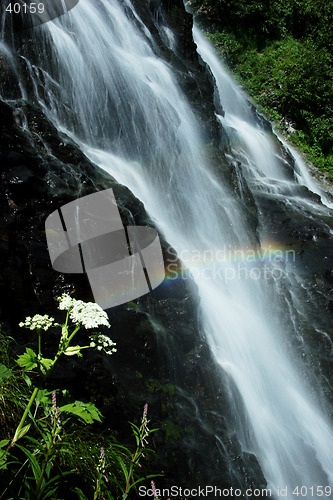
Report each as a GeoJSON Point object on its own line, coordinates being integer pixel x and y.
{"type": "Point", "coordinates": [171, 27]}
{"type": "Point", "coordinates": [307, 239]}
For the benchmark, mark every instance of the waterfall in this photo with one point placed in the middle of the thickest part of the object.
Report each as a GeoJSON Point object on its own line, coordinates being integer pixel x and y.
{"type": "Point", "coordinates": [98, 79]}
{"type": "Point", "coordinates": [294, 446]}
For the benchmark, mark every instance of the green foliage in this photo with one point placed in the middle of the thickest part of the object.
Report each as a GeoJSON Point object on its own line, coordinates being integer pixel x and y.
{"type": "Point", "coordinates": [294, 80]}
{"type": "Point", "coordinates": [227, 45]}
{"type": "Point", "coordinates": [281, 51]}
{"type": "Point", "coordinates": [41, 452]}
{"type": "Point", "coordinates": [129, 462]}
{"type": "Point", "coordinates": [5, 372]}
{"type": "Point", "coordinates": [87, 412]}
{"type": "Point", "coordinates": [259, 21]}
{"type": "Point", "coordinates": [4, 455]}
{"type": "Point", "coordinates": [28, 360]}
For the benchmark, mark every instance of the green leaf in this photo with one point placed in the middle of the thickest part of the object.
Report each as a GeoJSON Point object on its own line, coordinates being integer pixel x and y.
{"type": "Point", "coordinates": [136, 433]}
{"type": "Point", "coordinates": [27, 379]}
{"type": "Point", "coordinates": [51, 486]}
{"type": "Point", "coordinates": [123, 467]}
{"type": "Point", "coordinates": [144, 478]}
{"type": "Point", "coordinates": [135, 428]}
{"type": "Point", "coordinates": [3, 459]}
{"type": "Point", "coordinates": [4, 454]}
{"type": "Point", "coordinates": [42, 397]}
{"type": "Point", "coordinates": [116, 445]}
{"type": "Point", "coordinates": [60, 477]}
{"type": "Point", "coordinates": [5, 372]}
{"type": "Point", "coordinates": [45, 364]}
{"type": "Point", "coordinates": [36, 442]}
{"type": "Point", "coordinates": [50, 493]}
{"type": "Point", "coordinates": [85, 411]}
{"type": "Point", "coordinates": [20, 434]}
{"type": "Point", "coordinates": [80, 493]}
{"type": "Point", "coordinates": [28, 361]}
{"type": "Point", "coordinates": [33, 462]}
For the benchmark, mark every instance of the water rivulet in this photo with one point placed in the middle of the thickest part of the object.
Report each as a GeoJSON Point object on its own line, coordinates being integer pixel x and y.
{"type": "Point", "coordinates": [253, 235]}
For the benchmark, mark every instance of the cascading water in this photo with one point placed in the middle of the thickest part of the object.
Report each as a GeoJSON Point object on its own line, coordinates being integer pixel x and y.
{"type": "Point", "coordinates": [295, 442]}
{"type": "Point", "coordinates": [104, 86]}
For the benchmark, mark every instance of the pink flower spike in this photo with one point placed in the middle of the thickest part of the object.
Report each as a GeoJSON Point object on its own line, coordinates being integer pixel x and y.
{"type": "Point", "coordinates": [153, 487]}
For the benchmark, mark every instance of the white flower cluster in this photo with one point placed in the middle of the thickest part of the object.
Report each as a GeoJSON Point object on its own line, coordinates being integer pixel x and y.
{"type": "Point", "coordinates": [37, 322]}
{"type": "Point", "coordinates": [65, 302]}
{"type": "Point", "coordinates": [102, 343]}
{"type": "Point", "coordinates": [87, 314]}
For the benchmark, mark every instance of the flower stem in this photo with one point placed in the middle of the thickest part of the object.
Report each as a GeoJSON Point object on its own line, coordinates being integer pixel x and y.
{"type": "Point", "coordinates": [39, 344]}
{"type": "Point", "coordinates": [98, 486]}
{"type": "Point", "coordinates": [131, 470]}
{"type": "Point", "coordinates": [72, 335]}
{"type": "Point", "coordinates": [45, 463]}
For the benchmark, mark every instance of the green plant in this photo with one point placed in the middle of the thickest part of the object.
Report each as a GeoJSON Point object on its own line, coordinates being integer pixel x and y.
{"type": "Point", "coordinates": [36, 460]}
{"type": "Point", "coordinates": [40, 480]}
{"type": "Point", "coordinates": [38, 468]}
{"type": "Point", "coordinates": [89, 315]}
{"type": "Point", "coordinates": [120, 458]}
{"type": "Point", "coordinates": [130, 465]}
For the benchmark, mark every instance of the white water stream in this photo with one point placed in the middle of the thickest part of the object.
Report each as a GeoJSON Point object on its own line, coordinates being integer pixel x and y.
{"type": "Point", "coordinates": [129, 117]}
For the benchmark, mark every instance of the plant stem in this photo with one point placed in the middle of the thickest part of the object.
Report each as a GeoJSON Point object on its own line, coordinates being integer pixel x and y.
{"type": "Point", "coordinates": [98, 486]}
{"type": "Point", "coordinates": [66, 322]}
{"type": "Point", "coordinates": [72, 335]}
{"type": "Point", "coordinates": [44, 467]}
{"type": "Point", "coordinates": [39, 344]}
{"type": "Point", "coordinates": [24, 416]}
{"type": "Point", "coordinates": [131, 469]}
{"type": "Point", "coordinates": [63, 344]}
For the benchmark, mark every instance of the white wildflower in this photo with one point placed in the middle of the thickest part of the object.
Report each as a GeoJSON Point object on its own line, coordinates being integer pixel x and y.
{"type": "Point", "coordinates": [102, 342]}
{"type": "Point", "coordinates": [87, 314]}
{"type": "Point", "coordinates": [38, 322]}
{"type": "Point", "coordinates": [65, 302]}
{"type": "Point", "coordinates": [111, 351]}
